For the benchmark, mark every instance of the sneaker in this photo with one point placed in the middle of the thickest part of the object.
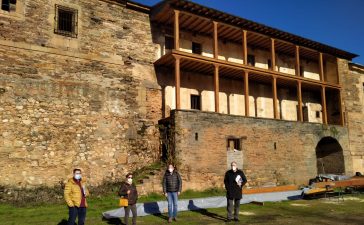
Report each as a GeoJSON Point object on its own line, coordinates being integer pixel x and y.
{"type": "Point", "coordinates": [236, 220]}
{"type": "Point", "coordinates": [175, 219]}
{"type": "Point", "coordinates": [170, 220]}
{"type": "Point", "coordinates": [228, 221]}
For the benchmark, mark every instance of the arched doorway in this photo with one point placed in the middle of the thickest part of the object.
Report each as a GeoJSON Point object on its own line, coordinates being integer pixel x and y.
{"type": "Point", "coordinates": [330, 158]}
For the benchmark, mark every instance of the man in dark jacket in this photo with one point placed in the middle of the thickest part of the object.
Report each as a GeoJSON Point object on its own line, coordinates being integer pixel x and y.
{"type": "Point", "coordinates": [234, 181]}
{"type": "Point", "coordinates": [129, 191]}
{"type": "Point", "coordinates": [172, 186]}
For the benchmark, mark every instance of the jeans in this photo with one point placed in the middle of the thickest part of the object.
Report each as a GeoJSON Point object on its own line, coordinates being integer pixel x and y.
{"type": "Point", "coordinates": [230, 204]}
{"type": "Point", "coordinates": [172, 203]}
{"type": "Point", "coordinates": [73, 212]}
{"type": "Point", "coordinates": [133, 211]}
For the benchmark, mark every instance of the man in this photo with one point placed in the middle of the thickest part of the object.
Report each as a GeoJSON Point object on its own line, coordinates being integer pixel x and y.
{"type": "Point", "coordinates": [75, 195]}
{"type": "Point", "coordinates": [234, 181]}
{"type": "Point", "coordinates": [172, 186]}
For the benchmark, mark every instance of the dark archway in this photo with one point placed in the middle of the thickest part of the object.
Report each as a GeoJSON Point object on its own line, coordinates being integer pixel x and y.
{"type": "Point", "coordinates": [330, 158]}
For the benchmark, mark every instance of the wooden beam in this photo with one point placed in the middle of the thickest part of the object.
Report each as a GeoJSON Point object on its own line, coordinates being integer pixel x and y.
{"type": "Point", "coordinates": [176, 29]}
{"type": "Point", "coordinates": [299, 99]}
{"type": "Point", "coordinates": [273, 54]}
{"type": "Point", "coordinates": [275, 105]}
{"type": "Point", "coordinates": [246, 92]}
{"type": "Point", "coordinates": [321, 67]}
{"type": "Point", "coordinates": [216, 41]}
{"type": "Point", "coordinates": [245, 47]}
{"type": "Point", "coordinates": [177, 78]}
{"type": "Point", "coordinates": [298, 72]}
{"type": "Point", "coordinates": [216, 87]}
{"type": "Point", "coordinates": [323, 103]}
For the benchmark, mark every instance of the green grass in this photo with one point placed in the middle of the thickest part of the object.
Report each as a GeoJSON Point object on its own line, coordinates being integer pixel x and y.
{"type": "Point", "coordinates": [287, 212]}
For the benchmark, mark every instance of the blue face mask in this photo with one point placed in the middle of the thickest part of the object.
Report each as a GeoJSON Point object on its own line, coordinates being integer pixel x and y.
{"type": "Point", "coordinates": [78, 176]}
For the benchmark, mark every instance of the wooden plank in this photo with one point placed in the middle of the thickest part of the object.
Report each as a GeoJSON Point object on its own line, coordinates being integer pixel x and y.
{"type": "Point", "coordinates": [275, 104]}
{"type": "Point", "coordinates": [270, 189]}
{"type": "Point", "coordinates": [245, 47]}
{"type": "Point", "coordinates": [357, 182]}
{"type": "Point", "coordinates": [273, 55]}
{"type": "Point", "coordinates": [321, 65]}
{"type": "Point", "coordinates": [299, 99]}
{"type": "Point", "coordinates": [246, 92]}
{"type": "Point", "coordinates": [298, 72]}
{"type": "Point", "coordinates": [216, 41]}
{"type": "Point", "coordinates": [177, 82]}
{"type": "Point", "coordinates": [323, 103]}
{"type": "Point", "coordinates": [216, 86]}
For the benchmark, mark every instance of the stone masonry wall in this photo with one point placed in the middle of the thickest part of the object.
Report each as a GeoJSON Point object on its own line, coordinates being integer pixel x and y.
{"type": "Point", "coordinates": [353, 97]}
{"type": "Point", "coordinates": [274, 152]}
{"type": "Point", "coordinates": [91, 102]}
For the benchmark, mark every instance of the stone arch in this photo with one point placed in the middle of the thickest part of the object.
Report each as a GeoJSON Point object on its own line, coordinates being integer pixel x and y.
{"type": "Point", "coordinates": [330, 157]}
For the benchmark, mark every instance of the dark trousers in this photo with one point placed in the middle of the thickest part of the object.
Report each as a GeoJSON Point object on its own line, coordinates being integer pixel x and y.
{"type": "Point", "coordinates": [74, 212]}
{"type": "Point", "coordinates": [233, 203]}
{"type": "Point", "coordinates": [133, 211]}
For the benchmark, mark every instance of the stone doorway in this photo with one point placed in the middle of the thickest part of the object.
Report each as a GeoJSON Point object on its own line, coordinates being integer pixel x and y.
{"type": "Point", "coordinates": [330, 158]}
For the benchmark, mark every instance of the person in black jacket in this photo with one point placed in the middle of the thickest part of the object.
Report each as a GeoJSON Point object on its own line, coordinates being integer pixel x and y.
{"type": "Point", "coordinates": [234, 181]}
{"type": "Point", "coordinates": [172, 186]}
{"type": "Point", "coordinates": [128, 190]}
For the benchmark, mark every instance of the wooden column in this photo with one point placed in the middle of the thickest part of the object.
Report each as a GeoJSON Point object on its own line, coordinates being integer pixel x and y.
{"type": "Point", "coordinates": [216, 41]}
{"type": "Point", "coordinates": [342, 121]}
{"type": "Point", "coordinates": [337, 71]}
{"type": "Point", "coordinates": [245, 47]}
{"type": "Point", "coordinates": [246, 92]}
{"type": "Point", "coordinates": [176, 29]}
{"type": "Point", "coordinates": [323, 103]}
{"type": "Point", "coordinates": [275, 106]}
{"type": "Point", "coordinates": [321, 67]}
{"type": "Point", "coordinates": [216, 86]}
{"type": "Point", "coordinates": [298, 72]}
{"type": "Point", "coordinates": [299, 100]}
{"type": "Point", "coordinates": [177, 78]}
{"type": "Point", "coordinates": [273, 54]}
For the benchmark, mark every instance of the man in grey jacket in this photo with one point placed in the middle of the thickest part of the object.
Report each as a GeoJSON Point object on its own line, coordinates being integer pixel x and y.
{"type": "Point", "coordinates": [172, 186]}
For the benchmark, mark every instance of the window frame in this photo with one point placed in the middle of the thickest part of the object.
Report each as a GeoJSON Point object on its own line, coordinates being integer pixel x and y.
{"type": "Point", "coordinates": [199, 101]}
{"type": "Point", "coordinates": [237, 143]}
{"type": "Point", "coordinates": [74, 32]}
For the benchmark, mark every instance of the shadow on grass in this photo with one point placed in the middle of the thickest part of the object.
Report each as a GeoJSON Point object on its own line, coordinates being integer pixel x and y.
{"type": "Point", "coordinates": [114, 221]}
{"type": "Point", "coordinates": [193, 208]}
{"type": "Point", "coordinates": [63, 222]}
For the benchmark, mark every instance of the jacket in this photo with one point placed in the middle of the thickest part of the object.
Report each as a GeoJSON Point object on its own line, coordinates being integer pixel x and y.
{"type": "Point", "coordinates": [73, 194]}
{"type": "Point", "coordinates": [233, 190]}
{"type": "Point", "coordinates": [172, 182]}
{"type": "Point", "coordinates": [133, 196]}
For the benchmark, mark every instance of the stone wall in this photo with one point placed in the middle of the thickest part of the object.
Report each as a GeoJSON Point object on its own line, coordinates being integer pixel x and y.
{"type": "Point", "coordinates": [91, 102]}
{"type": "Point", "coordinates": [353, 97]}
{"type": "Point", "coordinates": [274, 152]}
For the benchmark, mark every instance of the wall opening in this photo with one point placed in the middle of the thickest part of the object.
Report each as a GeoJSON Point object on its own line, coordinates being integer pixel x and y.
{"type": "Point", "coordinates": [330, 158]}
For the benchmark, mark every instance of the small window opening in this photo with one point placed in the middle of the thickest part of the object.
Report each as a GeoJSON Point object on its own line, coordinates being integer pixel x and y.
{"type": "Point", "coordinates": [66, 21]}
{"type": "Point", "coordinates": [251, 60]}
{"type": "Point", "coordinates": [169, 42]}
{"type": "Point", "coordinates": [196, 136]}
{"type": "Point", "coordinates": [195, 102]}
{"type": "Point", "coordinates": [234, 144]}
{"type": "Point", "coordinates": [8, 5]}
{"type": "Point", "coordinates": [317, 114]}
{"type": "Point", "coordinates": [196, 48]}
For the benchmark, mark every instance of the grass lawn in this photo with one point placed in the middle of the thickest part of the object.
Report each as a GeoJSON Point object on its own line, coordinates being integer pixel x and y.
{"type": "Point", "coordinates": [320, 211]}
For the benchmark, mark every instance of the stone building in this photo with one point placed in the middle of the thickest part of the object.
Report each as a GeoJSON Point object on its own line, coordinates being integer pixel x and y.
{"type": "Point", "coordinates": [89, 84]}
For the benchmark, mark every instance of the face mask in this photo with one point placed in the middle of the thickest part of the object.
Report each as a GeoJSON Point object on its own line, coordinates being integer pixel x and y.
{"type": "Point", "coordinates": [130, 180]}
{"type": "Point", "coordinates": [170, 170]}
{"type": "Point", "coordinates": [234, 168]}
{"type": "Point", "coordinates": [78, 176]}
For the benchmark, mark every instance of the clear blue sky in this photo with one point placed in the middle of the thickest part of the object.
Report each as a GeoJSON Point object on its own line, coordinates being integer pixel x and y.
{"type": "Point", "coordinates": [338, 23]}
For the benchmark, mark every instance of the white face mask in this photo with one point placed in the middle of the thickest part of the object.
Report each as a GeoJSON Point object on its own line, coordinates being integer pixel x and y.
{"type": "Point", "coordinates": [78, 176]}
{"type": "Point", "coordinates": [233, 168]}
{"type": "Point", "coordinates": [170, 170]}
{"type": "Point", "coordinates": [130, 180]}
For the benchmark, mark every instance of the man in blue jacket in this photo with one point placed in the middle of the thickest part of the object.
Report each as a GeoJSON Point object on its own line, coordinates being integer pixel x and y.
{"type": "Point", "coordinates": [234, 181]}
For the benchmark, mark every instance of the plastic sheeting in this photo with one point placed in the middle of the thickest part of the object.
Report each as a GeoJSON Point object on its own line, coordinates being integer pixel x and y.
{"type": "Point", "coordinates": [148, 208]}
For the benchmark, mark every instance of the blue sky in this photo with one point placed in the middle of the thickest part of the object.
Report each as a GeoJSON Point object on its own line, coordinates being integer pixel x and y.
{"type": "Point", "coordinates": [337, 23]}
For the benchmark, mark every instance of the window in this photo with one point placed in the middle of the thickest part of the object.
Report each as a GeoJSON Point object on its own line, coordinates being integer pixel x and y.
{"type": "Point", "coordinates": [251, 60]}
{"type": "Point", "coordinates": [196, 48]}
{"type": "Point", "coordinates": [66, 21]}
{"type": "Point", "coordinates": [8, 5]}
{"type": "Point", "coordinates": [234, 144]}
{"type": "Point", "coordinates": [317, 114]}
{"type": "Point", "coordinates": [195, 102]}
{"type": "Point", "coordinates": [169, 42]}
{"type": "Point", "coordinates": [269, 64]}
